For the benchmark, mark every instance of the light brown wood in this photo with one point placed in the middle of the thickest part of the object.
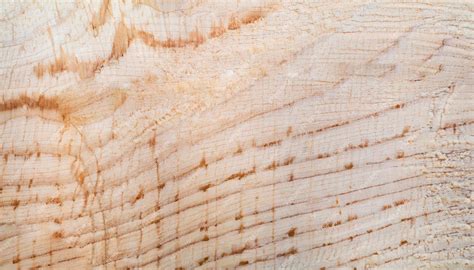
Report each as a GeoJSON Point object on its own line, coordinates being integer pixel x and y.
{"type": "Point", "coordinates": [236, 134]}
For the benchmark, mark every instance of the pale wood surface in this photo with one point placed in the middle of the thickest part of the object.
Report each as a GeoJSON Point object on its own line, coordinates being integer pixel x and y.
{"type": "Point", "coordinates": [223, 134]}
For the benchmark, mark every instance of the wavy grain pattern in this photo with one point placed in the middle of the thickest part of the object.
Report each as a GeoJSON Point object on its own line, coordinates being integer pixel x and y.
{"type": "Point", "coordinates": [237, 134]}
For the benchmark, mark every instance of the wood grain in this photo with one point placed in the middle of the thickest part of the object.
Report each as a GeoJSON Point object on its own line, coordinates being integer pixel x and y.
{"type": "Point", "coordinates": [236, 134]}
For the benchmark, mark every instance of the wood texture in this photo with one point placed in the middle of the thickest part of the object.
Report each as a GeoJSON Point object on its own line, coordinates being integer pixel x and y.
{"type": "Point", "coordinates": [236, 134]}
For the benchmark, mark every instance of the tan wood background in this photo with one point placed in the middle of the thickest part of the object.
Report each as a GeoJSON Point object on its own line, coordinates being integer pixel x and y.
{"type": "Point", "coordinates": [222, 134]}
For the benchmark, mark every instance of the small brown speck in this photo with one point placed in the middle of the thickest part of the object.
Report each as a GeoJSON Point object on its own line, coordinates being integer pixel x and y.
{"type": "Point", "coordinates": [291, 178]}
{"type": "Point", "coordinates": [406, 129]}
{"type": "Point", "coordinates": [238, 250]}
{"type": "Point", "coordinates": [291, 251]}
{"type": "Point", "coordinates": [203, 163]}
{"type": "Point", "coordinates": [349, 166]}
{"type": "Point", "coordinates": [233, 24]}
{"type": "Point", "coordinates": [349, 147]}
{"type": "Point", "coordinates": [16, 259]}
{"type": "Point", "coordinates": [139, 196]}
{"type": "Point", "coordinates": [403, 242]}
{"type": "Point", "coordinates": [205, 187]}
{"type": "Point", "coordinates": [400, 154]}
{"type": "Point", "coordinates": [203, 260]}
{"type": "Point", "coordinates": [81, 177]}
{"type": "Point", "coordinates": [272, 166]}
{"type": "Point", "coordinates": [238, 151]}
{"type": "Point", "coordinates": [400, 202]}
{"type": "Point", "coordinates": [351, 217]}
{"type": "Point", "coordinates": [15, 204]}
{"type": "Point", "coordinates": [152, 141]}
{"type": "Point", "coordinates": [238, 216]}
{"type": "Point", "coordinates": [364, 144]}
{"type": "Point", "coordinates": [252, 17]}
{"type": "Point", "coordinates": [243, 262]}
{"type": "Point", "coordinates": [217, 31]}
{"type": "Point", "coordinates": [272, 143]}
{"type": "Point", "coordinates": [58, 234]}
{"type": "Point", "coordinates": [292, 232]}
{"type": "Point", "coordinates": [288, 161]}
{"type": "Point", "coordinates": [328, 224]}
{"type": "Point", "coordinates": [55, 200]}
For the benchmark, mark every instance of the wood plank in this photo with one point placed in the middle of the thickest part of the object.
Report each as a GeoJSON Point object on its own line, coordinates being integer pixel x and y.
{"type": "Point", "coordinates": [267, 134]}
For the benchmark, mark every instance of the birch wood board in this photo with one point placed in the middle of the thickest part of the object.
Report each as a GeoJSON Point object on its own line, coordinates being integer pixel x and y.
{"type": "Point", "coordinates": [236, 134]}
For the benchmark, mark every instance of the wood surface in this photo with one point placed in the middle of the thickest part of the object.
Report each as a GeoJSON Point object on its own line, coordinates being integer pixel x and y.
{"type": "Point", "coordinates": [222, 134]}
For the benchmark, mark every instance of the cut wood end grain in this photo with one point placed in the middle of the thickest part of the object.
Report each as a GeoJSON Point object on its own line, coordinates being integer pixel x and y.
{"type": "Point", "coordinates": [184, 134]}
